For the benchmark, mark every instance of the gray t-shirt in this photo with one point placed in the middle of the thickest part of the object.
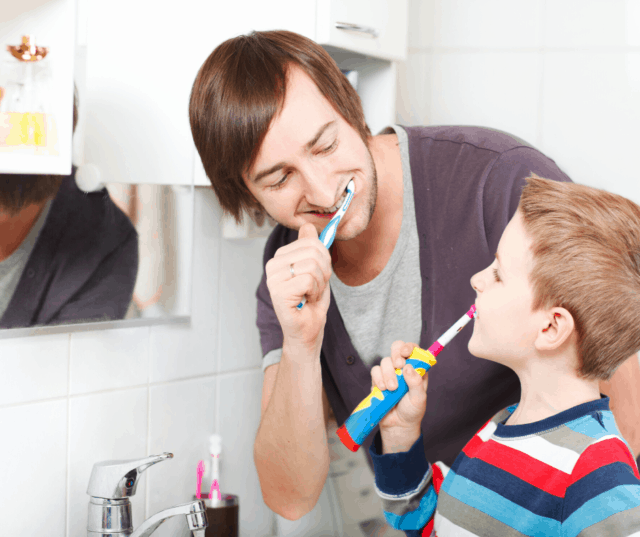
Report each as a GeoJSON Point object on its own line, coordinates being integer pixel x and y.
{"type": "Point", "coordinates": [11, 268]}
{"type": "Point", "coordinates": [388, 307]}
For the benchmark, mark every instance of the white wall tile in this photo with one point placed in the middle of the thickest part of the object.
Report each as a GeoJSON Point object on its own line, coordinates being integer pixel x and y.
{"type": "Point", "coordinates": [500, 90]}
{"type": "Point", "coordinates": [413, 95]}
{"type": "Point", "coordinates": [632, 23]}
{"type": "Point", "coordinates": [580, 23]}
{"type": "Point", "coordinates": [591, 115]}
{"type": "Point", "coordinates": [182, 416]}
{"type": "Point", "coordinates": [33, 469]}
{"type": "Point", "coordinates": [33, 368]}
{"type": "Point", "coordinates": [108, 359]}
{"type": "Point", "coordinates": [490, 23]}
{"type": "Point", "coordinates": [106, 426]}
{"type": "Point", "coordinates": [241, 270]}
{"type": "Point", "coordinates": [421, 23]}
{"type": "Point", "coordinates": [178, 351]}
{"type": "Point", "coordinates": [239, 398]}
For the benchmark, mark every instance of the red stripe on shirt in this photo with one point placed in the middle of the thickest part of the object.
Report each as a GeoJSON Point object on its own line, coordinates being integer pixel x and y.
{"type": "Point", "coordinates": [520, 465]}
{"type": "Point", "coordinates": [599, 455]}
{"type": "Point", "coordinates": [437, 477]}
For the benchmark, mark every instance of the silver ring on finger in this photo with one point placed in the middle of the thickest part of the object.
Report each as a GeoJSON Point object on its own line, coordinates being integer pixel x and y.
{"type": "Point", "coordinates": [293, 274]}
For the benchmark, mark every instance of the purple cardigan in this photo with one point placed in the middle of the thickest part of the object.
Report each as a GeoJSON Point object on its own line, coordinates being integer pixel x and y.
{"type": "Point", "coordinates": [467, 183]}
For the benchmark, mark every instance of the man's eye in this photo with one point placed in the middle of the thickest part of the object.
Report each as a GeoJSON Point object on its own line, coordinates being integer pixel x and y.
{"type": "Point", "coordinates": [329, 148]}
{"type": "Point", "coordinates": [495, 275]}
{"type": "Point", "coordinates": [280, 183]}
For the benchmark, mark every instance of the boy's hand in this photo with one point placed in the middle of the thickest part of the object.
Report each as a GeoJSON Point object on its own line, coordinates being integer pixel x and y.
{"type": "Point", "coordinates": [400, 428]}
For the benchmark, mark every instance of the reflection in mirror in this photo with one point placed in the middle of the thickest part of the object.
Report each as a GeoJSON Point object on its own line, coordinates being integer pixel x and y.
{"type": "Point", "coordinates": [155, 212]}
{"type": "Point", "coordinates": [68, 256]}
{"type": "Point", "coordinates": [65, 256]}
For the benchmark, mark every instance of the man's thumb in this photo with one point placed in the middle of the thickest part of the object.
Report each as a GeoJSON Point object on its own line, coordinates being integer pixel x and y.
{"type": "Point", "coordinates": [307, 231]}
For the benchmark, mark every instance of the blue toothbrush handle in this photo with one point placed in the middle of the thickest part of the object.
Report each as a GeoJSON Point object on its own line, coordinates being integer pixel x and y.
{"type": "Point", "coordinates": [362, 421]}
{"type": "Point", "coordinates": [322, 237]}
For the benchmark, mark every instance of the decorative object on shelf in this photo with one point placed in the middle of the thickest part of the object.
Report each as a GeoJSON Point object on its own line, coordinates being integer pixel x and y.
{"type": "Point", "coordinates": [28, 51]}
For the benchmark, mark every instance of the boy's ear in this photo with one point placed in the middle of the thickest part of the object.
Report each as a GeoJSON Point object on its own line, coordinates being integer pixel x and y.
{"type": "Point", "coordinates": [557, 327]}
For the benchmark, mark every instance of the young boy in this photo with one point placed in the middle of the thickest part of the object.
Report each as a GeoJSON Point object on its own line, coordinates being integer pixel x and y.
{"type": "Point", "coordinates": [560, 306]}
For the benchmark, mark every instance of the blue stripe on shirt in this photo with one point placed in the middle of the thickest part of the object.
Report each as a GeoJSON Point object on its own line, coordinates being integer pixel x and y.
{"type": "Point", "coordinates": [418, 518]}
{"type": "Point", "coordinates": [595, 483]}
{"type": "Point", "coordinates": [498, 507]}
{"type": "Point", "coordinates": [509, 486]}
{"type": "Point", "coordinates": [601, 507]}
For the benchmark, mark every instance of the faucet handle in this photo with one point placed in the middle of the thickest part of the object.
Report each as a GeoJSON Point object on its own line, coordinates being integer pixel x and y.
{"type": "Point", "coordinates": [118, 479]}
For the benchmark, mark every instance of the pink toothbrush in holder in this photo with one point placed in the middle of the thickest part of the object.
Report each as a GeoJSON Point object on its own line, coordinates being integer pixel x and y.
{"type": "Point", "coordinates": [200, 473]}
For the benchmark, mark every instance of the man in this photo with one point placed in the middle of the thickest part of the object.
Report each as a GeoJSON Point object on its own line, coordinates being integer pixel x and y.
{"type": "Point", "coordinates": [279, 129]}
{"type": "Point", "coordinates": [65, 256]}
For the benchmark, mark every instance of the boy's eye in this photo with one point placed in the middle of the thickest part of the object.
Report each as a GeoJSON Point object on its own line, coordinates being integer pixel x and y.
{"type": "Point", "coordinates": [495, 275]}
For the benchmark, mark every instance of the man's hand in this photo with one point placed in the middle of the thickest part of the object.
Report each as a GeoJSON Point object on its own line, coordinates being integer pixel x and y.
{"type": "Point", "coordinates": [400, 428]}
{"type": "Point", "coordinates": [311, 263]}
{"type": "Point", "coordinates": [624, 391]}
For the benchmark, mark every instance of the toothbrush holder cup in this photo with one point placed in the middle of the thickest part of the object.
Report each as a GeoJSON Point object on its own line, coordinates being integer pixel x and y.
{"type": "Point", "coordinates": [222, 515]}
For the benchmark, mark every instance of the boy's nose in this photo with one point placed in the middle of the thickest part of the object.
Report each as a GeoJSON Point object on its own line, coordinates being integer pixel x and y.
{"type": "Point", "coordinates": [476, 282]}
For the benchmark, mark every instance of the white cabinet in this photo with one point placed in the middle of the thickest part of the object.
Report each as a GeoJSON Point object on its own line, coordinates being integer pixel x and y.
{"type": "Point", "coordinates": [376, 28]}
{"type": "Point", "coordinates": [141, 63]}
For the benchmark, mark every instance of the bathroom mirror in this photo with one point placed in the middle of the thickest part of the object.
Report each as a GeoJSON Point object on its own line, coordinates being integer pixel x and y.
{"type": "Point", "coordinates": [117, 256]}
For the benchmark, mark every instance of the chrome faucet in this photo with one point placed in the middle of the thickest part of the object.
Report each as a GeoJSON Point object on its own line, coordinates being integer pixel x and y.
{"type": "Point", "coordinates": [110, 486]}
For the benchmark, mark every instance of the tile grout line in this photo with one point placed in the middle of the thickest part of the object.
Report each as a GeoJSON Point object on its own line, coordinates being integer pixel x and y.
{"type": "Point", "coordinates": [216, 419]}
{"type": "Point", "coordinates": [68, 473]}
{"type": "Point", "coordinates": [225, 374]}
{"type": "Point", "coordinates": [146, 482]}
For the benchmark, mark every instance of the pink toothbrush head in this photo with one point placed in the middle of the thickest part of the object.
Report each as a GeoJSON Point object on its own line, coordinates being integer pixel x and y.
{"type": "Point", "coordinates": [200, 473]}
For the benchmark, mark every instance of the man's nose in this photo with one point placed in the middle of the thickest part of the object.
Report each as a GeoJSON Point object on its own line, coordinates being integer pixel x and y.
{"type": "Point", "coordinates": [319, 189]}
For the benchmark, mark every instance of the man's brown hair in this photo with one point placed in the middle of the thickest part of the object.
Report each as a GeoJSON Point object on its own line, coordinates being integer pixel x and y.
{"type": "Point", "coordinates": [586, 259]}
{"type": "Point", "coordinates": [240, 88]}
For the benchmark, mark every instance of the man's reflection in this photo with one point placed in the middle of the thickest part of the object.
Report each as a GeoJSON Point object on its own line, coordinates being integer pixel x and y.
{"type": "Point", "coordinates": [65, 256]}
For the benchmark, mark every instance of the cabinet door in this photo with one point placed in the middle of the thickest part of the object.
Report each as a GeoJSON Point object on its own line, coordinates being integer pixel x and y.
{"type": "Point", "coordinates": [375, 28]}
{"type": "Point", "coordinates": [142, 59]}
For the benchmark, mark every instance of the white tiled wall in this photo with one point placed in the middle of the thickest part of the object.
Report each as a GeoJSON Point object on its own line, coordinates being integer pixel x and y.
{"type": "Point", "coordinates": [70, 400]}
{"type": "Point", "coordinates": [562, 74]}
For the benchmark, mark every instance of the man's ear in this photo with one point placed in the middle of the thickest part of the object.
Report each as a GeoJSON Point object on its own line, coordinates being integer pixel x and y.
{"type": "Point", "coordinates": [556, 328]}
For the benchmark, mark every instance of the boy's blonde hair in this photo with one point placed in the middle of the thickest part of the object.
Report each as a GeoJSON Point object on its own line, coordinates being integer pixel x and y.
{"type": "Point", "coordinates": [586, 259]}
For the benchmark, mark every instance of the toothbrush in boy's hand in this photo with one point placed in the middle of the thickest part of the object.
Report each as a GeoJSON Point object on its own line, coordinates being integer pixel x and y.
{"type": "Point", "coordinates": [200, 472]}
{"type": "Point", "coordinates": [329, 232]}
{"type": "Point", "coordinates": [378, 403]}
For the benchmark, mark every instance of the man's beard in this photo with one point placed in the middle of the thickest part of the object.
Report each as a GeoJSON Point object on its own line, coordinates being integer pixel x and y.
{"type": "Point", "coordinates": [18, 191]}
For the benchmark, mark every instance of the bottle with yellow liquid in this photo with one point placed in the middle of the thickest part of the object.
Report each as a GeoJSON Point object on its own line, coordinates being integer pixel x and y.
{"type": "Point", "coordinates": [25, 98]}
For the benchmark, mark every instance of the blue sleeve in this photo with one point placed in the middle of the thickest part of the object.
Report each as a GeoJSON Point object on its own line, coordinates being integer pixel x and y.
{"type": "Point", "coordinates": [404, 482]}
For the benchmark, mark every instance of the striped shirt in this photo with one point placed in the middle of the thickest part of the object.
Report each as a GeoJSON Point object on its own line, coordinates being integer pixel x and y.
{"type": "Point", "coordinates": [568, 475]}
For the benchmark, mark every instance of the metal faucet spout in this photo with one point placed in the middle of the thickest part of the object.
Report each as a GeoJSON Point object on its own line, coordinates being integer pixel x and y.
{"type": "Point", "coordinates": [194, 511]}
